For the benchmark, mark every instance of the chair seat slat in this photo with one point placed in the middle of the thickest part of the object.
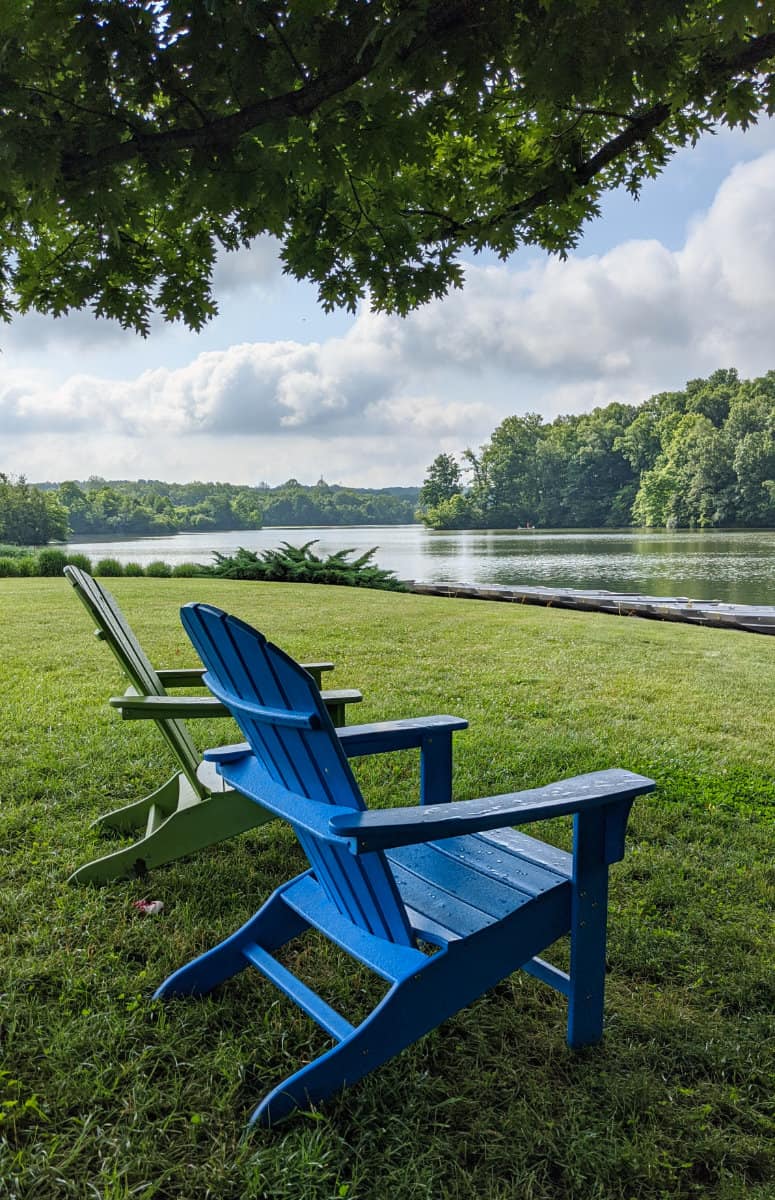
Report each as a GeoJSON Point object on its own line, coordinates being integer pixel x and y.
{"type": "Point", "coordinates": [531, 849]}
{"type": "Point", "coordinates": [509, 863]}
{"type": "Point", "coordinates": [461, 871]}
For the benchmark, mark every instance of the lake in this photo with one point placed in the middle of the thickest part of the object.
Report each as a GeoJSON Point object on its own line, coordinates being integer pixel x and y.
{"type": "Point", "coordinates": [735, 567]}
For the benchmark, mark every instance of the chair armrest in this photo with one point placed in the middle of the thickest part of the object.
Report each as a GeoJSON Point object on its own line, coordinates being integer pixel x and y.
{"type": "Point", "coordinates": [238, 768]}
{"type": "Point", "coordinates": [183, 677]}
{"type": "Point", "coordinates": [192, 676]}
{"type": "Point", "coordinates": [384, 736]}
{"type": "Point", "coordinates": [167, 708]}
{"type": "Point", "coordinates": [316, 669]}
{"type": "Point", "coordinates": [432, 735]}
{"type": "Point", "coordinates": [333, 696]}
{"type": "Point", "coordinates": [357, 740]}
{"type": "Point", "coordinates": [381, 830]}
{"type": "Point", "coordinates": [227, 754]}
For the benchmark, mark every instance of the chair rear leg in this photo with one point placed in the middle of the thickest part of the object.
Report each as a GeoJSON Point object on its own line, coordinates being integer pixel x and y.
{"type": "Point", "coordinates": [219, 817]}
{"type": "Point", "coordinates": [434, 991]}
{"type": "Point", "coordinates": [132, 817]}
{"type": "Point", "coordinates": [413, 1007]}
{"type": "Point", "coordinates": [169, 838]}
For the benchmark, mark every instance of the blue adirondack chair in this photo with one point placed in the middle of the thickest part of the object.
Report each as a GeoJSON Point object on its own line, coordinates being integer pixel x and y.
{"type": "Point", "coordinates": [387, 886]}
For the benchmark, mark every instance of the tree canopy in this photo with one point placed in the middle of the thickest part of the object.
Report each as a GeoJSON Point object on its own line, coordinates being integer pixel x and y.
{"type": "Point", "coordinates": [377, 139]}
{"type": "Point", "coordinates": [29, 516]}
{"type": "Point", "coordinates": [150, 507]}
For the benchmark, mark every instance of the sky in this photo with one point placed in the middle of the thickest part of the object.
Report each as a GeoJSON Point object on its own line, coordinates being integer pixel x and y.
{"type": "Point", "coordinates": [659, 291]}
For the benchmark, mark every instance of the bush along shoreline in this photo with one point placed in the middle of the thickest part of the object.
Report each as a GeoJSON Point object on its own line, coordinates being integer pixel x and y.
{"type": "Point", "coordinates": [287, 563]}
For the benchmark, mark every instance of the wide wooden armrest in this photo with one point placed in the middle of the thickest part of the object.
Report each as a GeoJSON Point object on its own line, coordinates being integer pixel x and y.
{"type": "Point", "coordinates": [182, 677]}
{"type": "Point", "coordinates": [383, 829]}
{"type": "Point", "coordinates": [192, 676]}
{"type": "Point", "coordinates": [384, 736]}
{"type": "Point", "coordinates": [227, 754]}
{"type": "Point", "coordinates": [357, 740]}
{"type": "Point", "coordinates": [167, 708]}
{"type": "Point", "coordinates": [239, 768]}
{"type": "Point", "coordinates": [332, 696]}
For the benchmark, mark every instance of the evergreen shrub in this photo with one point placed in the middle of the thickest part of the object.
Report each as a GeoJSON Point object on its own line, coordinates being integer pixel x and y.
{"type": "Point", "coordinates": [134, 569]}
{"type": "Point", "coordinates": [8, 567]}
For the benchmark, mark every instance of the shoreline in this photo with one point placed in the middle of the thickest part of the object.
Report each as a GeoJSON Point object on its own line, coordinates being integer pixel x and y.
{"type": "Point", "coordinates": [749, 618]}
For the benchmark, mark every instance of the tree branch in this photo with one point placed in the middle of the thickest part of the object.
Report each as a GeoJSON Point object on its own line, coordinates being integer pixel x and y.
{"type": "Point", "coordinates": [358, 56]}
{"type": "Point", "coordinates": [639, 129]}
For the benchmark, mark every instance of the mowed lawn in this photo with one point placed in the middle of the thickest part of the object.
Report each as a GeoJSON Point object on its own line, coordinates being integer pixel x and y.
{"type": "Point", "coordinates": [106, 1095]}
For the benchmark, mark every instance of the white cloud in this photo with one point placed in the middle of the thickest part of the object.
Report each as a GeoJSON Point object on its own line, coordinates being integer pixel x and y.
{"type": "Point", "coordinates": [638, 317]}
{"type": "Point", "coordinates": [257, 266]}
{"type": "Point", "coordinates": [254, 269]}
{"type": "Point", "coordinates": [728, 263]}
{"type": "Point", "coordinates": [377, 403]}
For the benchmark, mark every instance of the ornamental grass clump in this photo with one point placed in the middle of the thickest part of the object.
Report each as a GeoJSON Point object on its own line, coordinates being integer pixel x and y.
{"type": "Point", "coordinates": [51, 562]}
{"type": "Point", "coordinates": [109, 567]}
{"type": "Point", "coordinates": [158, 569]}
{"type": "Point", "coordinates": [298, 564]}
{"type": "Point", "coordinates": [80, 560]}
{"type": "Point", "coordinates": [189, 570]}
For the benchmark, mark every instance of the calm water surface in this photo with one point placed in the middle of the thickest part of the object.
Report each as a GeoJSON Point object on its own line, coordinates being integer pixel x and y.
{"type": "Point", "coordinates": [736, 567]}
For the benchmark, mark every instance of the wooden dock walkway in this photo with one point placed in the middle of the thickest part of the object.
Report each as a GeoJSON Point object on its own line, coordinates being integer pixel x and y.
{"type": "Point", "coordinates": [753, 618]}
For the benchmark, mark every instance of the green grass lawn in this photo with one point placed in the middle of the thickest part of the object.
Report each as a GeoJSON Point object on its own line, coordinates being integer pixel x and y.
{"type": "Point", "coordinates": [105, 1095]}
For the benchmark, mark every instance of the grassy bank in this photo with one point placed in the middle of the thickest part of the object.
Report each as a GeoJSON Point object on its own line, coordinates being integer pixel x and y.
{"type": "Point", "coordinates": [106, 1095]}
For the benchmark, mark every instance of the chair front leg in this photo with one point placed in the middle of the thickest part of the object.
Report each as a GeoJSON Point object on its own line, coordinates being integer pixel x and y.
{"type": "Point", "coordinates": [589, 910]}
{"type": "Point", "coordinates": [271, 927]}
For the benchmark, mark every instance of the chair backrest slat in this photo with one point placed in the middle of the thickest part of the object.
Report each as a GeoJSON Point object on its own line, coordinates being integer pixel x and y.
{"type": "Point", "coordinates": [254, 679]}
{"type": "Point", "coordinates": [112, 627]}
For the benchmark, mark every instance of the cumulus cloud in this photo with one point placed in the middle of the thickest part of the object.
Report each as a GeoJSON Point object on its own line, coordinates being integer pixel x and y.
{"type": "Point", "coordinates": [388, 394]}
{"type": "Point", "coordinates": [728, 263]}
{"type": "Point", "coordinates": [626, 322]}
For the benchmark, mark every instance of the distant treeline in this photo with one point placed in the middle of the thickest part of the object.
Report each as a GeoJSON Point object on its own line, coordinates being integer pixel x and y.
{"type": "Point", "coordinates": [698, 458]}
{"type": "Point", "coordinates": [150, 507]}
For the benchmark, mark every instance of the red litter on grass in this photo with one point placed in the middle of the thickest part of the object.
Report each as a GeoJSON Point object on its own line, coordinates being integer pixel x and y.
{"type": "Point", "coordinates": [148, 908]}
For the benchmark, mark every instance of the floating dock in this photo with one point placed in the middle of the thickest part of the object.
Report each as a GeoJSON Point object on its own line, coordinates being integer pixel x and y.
{"type": "Point", "coordinates": [753, 618]}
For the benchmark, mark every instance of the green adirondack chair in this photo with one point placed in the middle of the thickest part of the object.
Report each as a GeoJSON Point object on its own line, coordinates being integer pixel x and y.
{"type": "Point", "coordinates": [194, 808]}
